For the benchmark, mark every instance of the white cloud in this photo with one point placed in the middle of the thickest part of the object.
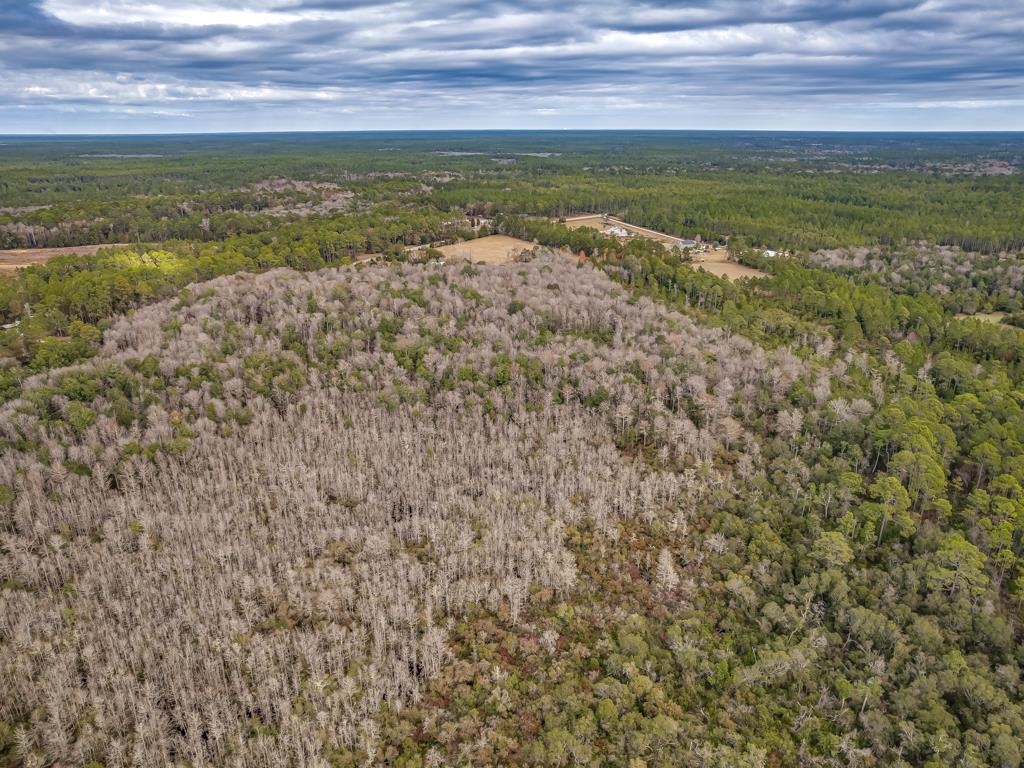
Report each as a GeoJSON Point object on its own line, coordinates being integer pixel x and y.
{"type": "Point", "coordinates": [120, 12]}
{"type": "Point", "coordinates": [720, 62]}
{"type": "Point", "coordinates": [252, 14]}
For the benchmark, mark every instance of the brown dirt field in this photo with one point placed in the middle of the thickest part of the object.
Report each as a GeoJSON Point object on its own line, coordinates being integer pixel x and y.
{"type": "Point", "coordinates": [16, 258]}
{"type": "Point", "coordinates": [594, 222]}
{"type": "Point", "coordinates": [716, 261]}
{"type": "Point", "coordinates": [598, 222]}
{"type": "Point", "coordinates": [494, 249]}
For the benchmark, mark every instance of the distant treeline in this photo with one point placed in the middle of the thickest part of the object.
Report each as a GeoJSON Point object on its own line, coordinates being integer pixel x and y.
{"type": "Point", "coordinates": [782, 191]}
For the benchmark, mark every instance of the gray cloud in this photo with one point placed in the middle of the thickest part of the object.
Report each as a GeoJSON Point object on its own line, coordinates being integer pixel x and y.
{"type": "Point", "coordinates": [98, 65]}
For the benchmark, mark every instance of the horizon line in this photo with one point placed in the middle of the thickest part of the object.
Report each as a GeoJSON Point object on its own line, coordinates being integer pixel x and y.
{"type": "Point", "coordinates": [414, 131]}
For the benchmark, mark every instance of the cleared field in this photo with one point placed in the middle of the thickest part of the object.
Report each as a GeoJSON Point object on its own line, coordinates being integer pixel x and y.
{"type": "Point", "coordinates": [601, 223]}
{"type": "Point", "coordinates": [494, 249]}
{"type": "Point", "coordinates": [716, 260]}
{"type": "Point", "coordinates": [16, 258]}
{"type": "Point", "coordinates": [985, 317]}
{"type": "Point", "coordinates": [594, 221]}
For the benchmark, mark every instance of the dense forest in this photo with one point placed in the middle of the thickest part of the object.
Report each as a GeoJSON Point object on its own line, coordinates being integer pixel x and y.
{"type": "Point", "coordinates": [963, 281]}
{"type": "Point", "coordinates": [779, 190]}
{"type": "Point", "coordinates": [277, 490]}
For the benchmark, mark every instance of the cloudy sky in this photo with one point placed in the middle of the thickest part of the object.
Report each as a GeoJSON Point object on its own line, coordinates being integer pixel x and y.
{"type": "Point", "coordinates": [113, 66]}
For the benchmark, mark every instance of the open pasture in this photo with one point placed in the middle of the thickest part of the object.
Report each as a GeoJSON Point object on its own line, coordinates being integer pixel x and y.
{"type": "Point", "coordinates": [715, 260]}
{"type": "Point", "coordinates": [16, 258]}
{"type": "Point", "coordinates": [494, 249]}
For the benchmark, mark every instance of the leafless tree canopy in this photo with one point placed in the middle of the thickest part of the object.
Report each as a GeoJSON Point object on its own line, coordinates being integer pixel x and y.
{"type": "Point", "coordinates": [943, 271]}
{"type": "Point", "coordinates": [325, 471]}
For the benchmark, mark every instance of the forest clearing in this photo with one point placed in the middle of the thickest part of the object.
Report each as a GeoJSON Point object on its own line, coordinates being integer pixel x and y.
{"type": "Point", "coordinates": [717, 262]}
{"type": "Point", "coordinates": [16, 258]}
{"type": "Point", "coordinates": [714, 260]}
{"type": "Point", "coordinates": [985, 317]}
{"type": "Point", "coordinates": [493, 249]}
{"type": "Point", "coordinates": [603, 222]}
